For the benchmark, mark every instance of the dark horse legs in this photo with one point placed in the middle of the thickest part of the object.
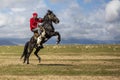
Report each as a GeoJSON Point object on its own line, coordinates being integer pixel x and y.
{"type": "Point", "coordinates": [25, 52]}
{"type": "Point", "coordinates": [29, 52]}
{"type": "Point", "coordinates": [58, 36]}
{"type": "Point", "coordinates": [49, 34]}
{"type": "Point", "coordinates": [38, 48]}
{"type": "Point", "coordinates": [36, 53]}
{"type": "Point", "coordinates": [29, 46]}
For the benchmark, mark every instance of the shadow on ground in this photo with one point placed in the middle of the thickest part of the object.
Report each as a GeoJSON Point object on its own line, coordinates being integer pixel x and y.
{"type": "Point", "coordinates": [55, 65]}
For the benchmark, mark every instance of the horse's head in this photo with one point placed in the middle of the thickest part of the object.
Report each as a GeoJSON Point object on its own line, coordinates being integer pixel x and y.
{"type": "Point", "coordinates": [52, 17]}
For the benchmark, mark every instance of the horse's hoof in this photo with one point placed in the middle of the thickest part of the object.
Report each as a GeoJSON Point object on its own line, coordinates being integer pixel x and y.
{"type": "Point", "coordinates": [39, 59]}
{"type": "Point", "coordinates": [57, 42]}
{"type": "Point", "coordinates": [28, 63]}
{"type": "Point", "coordinates": [41, 47]}
{"type": "Point", "coordinates": [23, 62]}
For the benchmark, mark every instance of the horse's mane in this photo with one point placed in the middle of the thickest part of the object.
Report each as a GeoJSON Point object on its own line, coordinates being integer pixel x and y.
{"type": "Point", "coordinates": [46, 15]}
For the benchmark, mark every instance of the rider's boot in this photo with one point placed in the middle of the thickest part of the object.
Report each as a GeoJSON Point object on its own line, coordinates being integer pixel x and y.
{"type": "Point", "coordinates": [39, 41]}
{"type": "Point", "coordinates": [36, 35]}
{"type": "Point", "coordinates": [41, 38]}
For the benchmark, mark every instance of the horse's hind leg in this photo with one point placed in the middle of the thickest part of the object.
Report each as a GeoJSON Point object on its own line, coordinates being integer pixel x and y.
{"type": "Point", "coordinates": [30, 49]}
{"type": "Point", "coordinates": [25, 58]}
{"type": "Point", "coordinates": [28, 55]}
{"type": "Point", "coordinates": [25, 50]}
{"type": "Point", "coordinates": [36, 54]}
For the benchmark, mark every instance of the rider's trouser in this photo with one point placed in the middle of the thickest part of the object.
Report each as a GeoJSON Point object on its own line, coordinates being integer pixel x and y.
{"type": "Point", "coordinates": [40, 35]}
{"type": "Point", "coordinates": [36, 30]}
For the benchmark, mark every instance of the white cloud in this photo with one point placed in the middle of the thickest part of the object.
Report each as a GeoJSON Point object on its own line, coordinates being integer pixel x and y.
{"type": "Point", "coordinates": [67, 26]}
{"type": "Point", "coordinates": [10, 3]}
{"type": "Point", "coordinates": [14, 20]}
{"type": "Point", "coordinates": [76, 24]}
{"type": "Point", "coordinates": [112, 15]}
{"type": "Point", "coordinates": [18, 9]}
{"type": "Point", "coordinates": [113, 11]}
{"type": "Point", "coordinates": [15, 15]}
{"type": "Point", "coordinates": [2, 20]}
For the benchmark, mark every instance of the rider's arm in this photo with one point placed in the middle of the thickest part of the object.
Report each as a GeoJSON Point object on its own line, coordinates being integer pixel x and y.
{"type": "Point", "coordinates": [32, 26]}
{"type": "Point", "coordinates": [40, 20]}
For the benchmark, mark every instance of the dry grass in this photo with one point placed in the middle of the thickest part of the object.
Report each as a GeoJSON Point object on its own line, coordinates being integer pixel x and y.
{"type": "Point", "coordinates": [51, 77]}
{"type": "Point", "coordinates": [71, 62]}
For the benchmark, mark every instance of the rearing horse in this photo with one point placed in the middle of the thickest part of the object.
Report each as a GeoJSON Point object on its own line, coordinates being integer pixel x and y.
{"type": "Point", "coordinates": [49, 19]}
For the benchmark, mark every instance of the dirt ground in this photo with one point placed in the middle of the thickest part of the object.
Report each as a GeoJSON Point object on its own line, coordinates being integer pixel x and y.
{"type": "Point", "coordinates": [14, 60]}
{"type": "Point", "coordinates": [51, 77]}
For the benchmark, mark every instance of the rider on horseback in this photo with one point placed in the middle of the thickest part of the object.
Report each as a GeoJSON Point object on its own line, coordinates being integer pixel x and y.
{"type": "Point", "coordinates": [34, 24]}
{"type": "Point", "coordinates": [47, 32]}
{"type": "Point", "coordinates": [35, 27]}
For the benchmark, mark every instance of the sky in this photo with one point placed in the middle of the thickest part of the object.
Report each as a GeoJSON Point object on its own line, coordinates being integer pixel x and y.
{"type": "Point", "coordinates": [79, 19]}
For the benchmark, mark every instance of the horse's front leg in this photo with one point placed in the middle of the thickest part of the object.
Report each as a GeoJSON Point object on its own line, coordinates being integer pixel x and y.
{"type": "Point", "coordinates": [58, 37]}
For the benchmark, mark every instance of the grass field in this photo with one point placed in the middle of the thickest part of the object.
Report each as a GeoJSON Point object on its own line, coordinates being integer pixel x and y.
{"type": "Point", "coordinates": [62, 62]}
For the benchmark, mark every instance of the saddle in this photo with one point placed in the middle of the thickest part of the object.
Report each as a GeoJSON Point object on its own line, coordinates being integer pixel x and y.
{"type": "Point", "coordinates": [37, 34]}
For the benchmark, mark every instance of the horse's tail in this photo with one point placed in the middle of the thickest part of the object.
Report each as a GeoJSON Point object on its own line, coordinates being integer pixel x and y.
{"type": "Point", "coordinates": [25, 50]}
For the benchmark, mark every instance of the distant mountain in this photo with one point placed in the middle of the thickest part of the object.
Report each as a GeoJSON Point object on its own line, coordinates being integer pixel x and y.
{"type": "Point", "coordinates": [84, 41]}
{"type": "Point", "coordinates": [19, 41]}
{"type": "Point", "coordinates": [6, 42]}
{"type": "Point", "coordinates": [12, 41]}
{"type": "Point", "coordinates": [89, 41]}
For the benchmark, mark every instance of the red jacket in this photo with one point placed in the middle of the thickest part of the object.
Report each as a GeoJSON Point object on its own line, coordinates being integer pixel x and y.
{"type": "Point", "coordinates": [34, 22]}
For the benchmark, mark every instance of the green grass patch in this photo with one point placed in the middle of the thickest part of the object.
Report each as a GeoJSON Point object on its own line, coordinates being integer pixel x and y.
{"type": "Point", "coordinates": [60, 69]}
{"type": "Point", "coordinates": [113, 69]}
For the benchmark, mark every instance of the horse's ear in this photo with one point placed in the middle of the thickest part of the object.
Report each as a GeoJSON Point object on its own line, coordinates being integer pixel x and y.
{"type": "Point", "coordinates": [49, 12]}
